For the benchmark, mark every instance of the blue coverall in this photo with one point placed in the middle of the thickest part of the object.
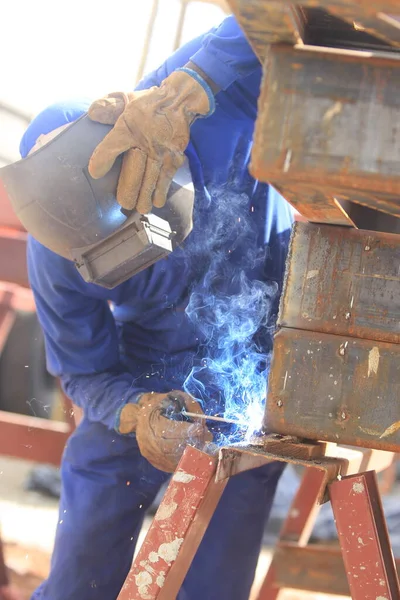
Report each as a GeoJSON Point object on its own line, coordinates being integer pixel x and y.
{"type": "Point", "coordinates": [108, 345]}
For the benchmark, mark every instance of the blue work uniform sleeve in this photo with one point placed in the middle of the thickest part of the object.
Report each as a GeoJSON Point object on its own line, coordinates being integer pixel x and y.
{"type": "Point", "coordinates": [80, 335]}
{"type": "Point", "coordinates": [225, 54]}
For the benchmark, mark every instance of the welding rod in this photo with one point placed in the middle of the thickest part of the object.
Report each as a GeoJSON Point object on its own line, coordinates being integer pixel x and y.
{"type": "Point", "coordinates": [211, 418]}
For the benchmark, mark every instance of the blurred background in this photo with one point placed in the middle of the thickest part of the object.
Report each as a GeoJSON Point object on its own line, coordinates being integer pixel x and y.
{"type": "Point", "coordinates": [51, 51]}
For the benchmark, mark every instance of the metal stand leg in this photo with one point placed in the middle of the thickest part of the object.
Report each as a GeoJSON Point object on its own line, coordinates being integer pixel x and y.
{"type": "Point", "coordinates": [298, 525]}
{"type": "Point", "coordinates": [363, 537]}
{"type": "Point", "coordinates": [176, 531]}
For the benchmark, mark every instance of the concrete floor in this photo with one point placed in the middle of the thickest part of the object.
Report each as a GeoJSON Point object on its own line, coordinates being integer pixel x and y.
{"type": "Point", "coordinates": [28, 521]}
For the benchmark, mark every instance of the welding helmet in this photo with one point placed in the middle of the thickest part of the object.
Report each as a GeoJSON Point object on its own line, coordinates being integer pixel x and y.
{"type": "Point", "coordinates": [79, 218]}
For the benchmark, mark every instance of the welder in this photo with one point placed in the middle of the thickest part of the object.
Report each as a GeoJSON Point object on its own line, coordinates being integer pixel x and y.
{"type": "Point", "coordinates": [123, 354]}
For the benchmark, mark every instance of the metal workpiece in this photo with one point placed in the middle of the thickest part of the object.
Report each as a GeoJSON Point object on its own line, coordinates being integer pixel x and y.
{"type": "Point", "coordinates": [315, 102]}
{"type": "Point", "coordinates": [352, 24]}
{"type": "Point", "coordinates": [335, 388]}
{"type": "Point", "coordinates": [343, 281]}
{"type": "Point", "coordinates": [175, 534]}
{"type": "Point", "coordinates": [333, 460]}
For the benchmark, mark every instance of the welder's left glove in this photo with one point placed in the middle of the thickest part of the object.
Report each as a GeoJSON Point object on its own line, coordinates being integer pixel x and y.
{"type": "Point", "coordinates": [152, 128]}
{"type": "Point", "coordinates": [162, 438]}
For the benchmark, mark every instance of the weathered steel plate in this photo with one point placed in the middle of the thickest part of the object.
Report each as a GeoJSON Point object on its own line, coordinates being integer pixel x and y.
{"type": "Point", "coordinates": [344, 281]}
{"type": "Point", "coordinates": [335, 388]}
{"type": "Point", "coordinates": [315, 205]}
{"type": "Point", "coordinates": [368, 17]}
{"type": "Point", "coordinates": [328, 120]}
{"type": "Point", "coordinates": [335, 23]}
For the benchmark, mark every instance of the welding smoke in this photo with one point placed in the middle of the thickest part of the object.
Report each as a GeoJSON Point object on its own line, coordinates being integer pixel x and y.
{"type": "Point", "coordinates": [234, 310]}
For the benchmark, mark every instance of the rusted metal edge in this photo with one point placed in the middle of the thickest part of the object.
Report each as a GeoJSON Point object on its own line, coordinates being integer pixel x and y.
{"type": "Point", "coordinates": [373, 22]}
{"type": "Point", "coordinates": [266, 23]}
{"type": "Point", "coordinates": [338, 462]}
{"type": "Point", "coordinates": [314, 205]}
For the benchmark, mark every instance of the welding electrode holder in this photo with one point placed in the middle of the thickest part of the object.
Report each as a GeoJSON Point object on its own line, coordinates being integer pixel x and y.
{"type": "Point", "coordinates": [173, 407]}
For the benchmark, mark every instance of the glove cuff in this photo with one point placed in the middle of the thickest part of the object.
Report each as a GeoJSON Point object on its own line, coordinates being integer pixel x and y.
{"type": "Point", "coordinates": [122, 421]}
{"type": "Point", "coordinates": [198, 78]}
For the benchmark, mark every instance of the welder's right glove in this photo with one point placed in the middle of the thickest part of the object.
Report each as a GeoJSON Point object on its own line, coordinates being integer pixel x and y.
{"type": "Point", "coordinates": [162, 439]}
{"type": "Point", "coordinates": [152, 128]}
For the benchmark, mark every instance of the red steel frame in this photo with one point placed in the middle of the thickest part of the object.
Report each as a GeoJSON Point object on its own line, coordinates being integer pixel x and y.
{"type": "Point", "coordinates": [298, 525]}
{"type": "Point", "coordinates": [177, 530]}
{"type": "Point", "coordinates": [190, 501]}
{"type": "Point", "coordinates": [364, 539]}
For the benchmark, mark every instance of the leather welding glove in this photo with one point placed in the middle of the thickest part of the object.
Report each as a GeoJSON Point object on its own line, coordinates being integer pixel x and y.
{"type": "Point", "coordinates": [152, 128]}
{"type": "Point", "coordinates": [161, 439]}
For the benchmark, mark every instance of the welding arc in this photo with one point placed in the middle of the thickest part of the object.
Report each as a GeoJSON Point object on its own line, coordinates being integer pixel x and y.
{"type": "Point", "coordinates": [211, 418]}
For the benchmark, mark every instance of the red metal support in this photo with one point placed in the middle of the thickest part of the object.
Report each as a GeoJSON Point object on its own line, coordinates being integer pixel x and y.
{"type": "Point", "coordinates": [176, 531]}
{"type": "Point", "coordinates": [364, 538]}
{"type": "Point", "coordinates": [298, 525]}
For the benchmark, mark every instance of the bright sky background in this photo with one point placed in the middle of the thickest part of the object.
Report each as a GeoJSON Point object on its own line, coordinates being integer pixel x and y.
{"type": "Point", "coordinates": [52, 50]}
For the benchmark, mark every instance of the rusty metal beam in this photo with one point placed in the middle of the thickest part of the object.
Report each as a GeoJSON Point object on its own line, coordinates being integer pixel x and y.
{"type": "Point", "coordinates": [32, 438]}
{"type": "Point", "coordinates": [364, 539]}
{"type": "Point", "coordinates": [343, 281]}
{"type": "Point", "coordinates": [335, 23]}
{"type": "Point", "coordinates": [334, 388]}
{"type": "Point", "coordinates": [314, 205]}
{"type": "Point", "coordinates": [176, 531]}
{"type": "Point", "coordinates": [313, 105]}
{"type": "Point", "coordinates": [266, 23]}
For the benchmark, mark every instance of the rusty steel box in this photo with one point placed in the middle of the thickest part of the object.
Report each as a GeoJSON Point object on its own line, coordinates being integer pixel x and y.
{"type": "Point", "coordinates": [327, 122]}
{"type": "Point", "coordinates": [335, 388]}
{"type": "Point", "coordinates": [343, 281]}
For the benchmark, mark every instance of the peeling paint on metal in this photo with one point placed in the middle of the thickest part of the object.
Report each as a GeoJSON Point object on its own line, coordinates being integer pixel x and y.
{"type": "Point", "coordinates": [368, 431]}
{"type": "Point", "coordinates": [358, 488]}
{"type": "Point", "coordinates": [160, 579]}
{"type": "Point", "coordinates": [373, 361]}
{"type": "Point", "coordinates": [165, 511]}
{"type": "Point", "coordinates": [392, 429]}
{"type": "Point", "coordinates": [312, 273]}
{"type": "Point", "coordinates": [332, 112]}
{"type": "Point", "coordinates": [169, 551]}
{"type": "Point", "coordinates": [381, 598]}
{"type": "Point", "coordinates": [182, 477]}
{"type": "Point", "coordinates": [153, 557]}
{"type": "Point", "coordinates": [287, 162]}
{"type": "Point", "coordinates": [143, 580]}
